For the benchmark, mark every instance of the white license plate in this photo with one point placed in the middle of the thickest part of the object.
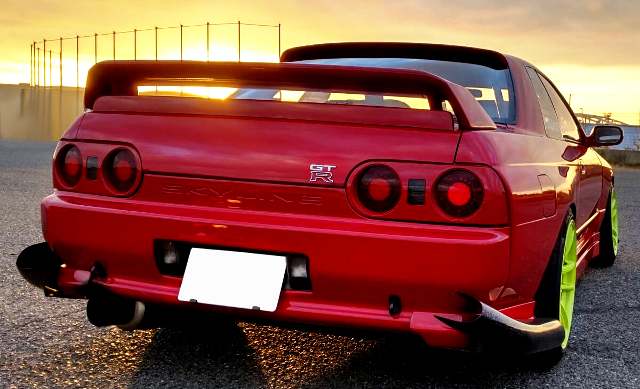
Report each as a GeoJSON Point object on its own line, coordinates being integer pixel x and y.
{"type": "Point", "coordinates": [233, 279]}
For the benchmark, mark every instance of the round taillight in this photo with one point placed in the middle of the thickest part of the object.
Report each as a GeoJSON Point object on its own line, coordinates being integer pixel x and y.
{"type": "Point", "coordinates": [459, 193]}
{"type": "Point", "coordinates": [70, 166]}
{"type": "Point", "coordinates": [121, 170]}
{"type": "Point", "coordinates": [379, 188]}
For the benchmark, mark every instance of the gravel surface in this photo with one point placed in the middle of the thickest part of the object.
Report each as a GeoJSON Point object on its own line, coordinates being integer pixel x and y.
{"type": "Point", "coordinates": [48, 342]}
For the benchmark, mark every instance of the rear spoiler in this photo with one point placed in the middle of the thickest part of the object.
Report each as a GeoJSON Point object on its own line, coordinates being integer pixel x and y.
{"type": "Point", "coordinates": [122, 78]}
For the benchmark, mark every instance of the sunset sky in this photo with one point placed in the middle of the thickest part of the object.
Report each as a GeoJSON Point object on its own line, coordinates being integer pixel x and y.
{"type": "Point", "coordinates": [589, 48]}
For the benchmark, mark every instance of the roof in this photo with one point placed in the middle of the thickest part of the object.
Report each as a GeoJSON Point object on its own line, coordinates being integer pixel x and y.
{"type": "Point", "coordinates": [471, 55]}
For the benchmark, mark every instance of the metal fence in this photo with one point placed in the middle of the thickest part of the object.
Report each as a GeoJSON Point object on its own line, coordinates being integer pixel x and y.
{"type": "Point", "coordinates": [47, 55]}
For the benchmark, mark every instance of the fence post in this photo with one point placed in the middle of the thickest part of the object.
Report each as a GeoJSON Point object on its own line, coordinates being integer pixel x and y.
{"type": "Point", "coordinates": [60, 62]}
{"type": "Point", "coordinates": [239, 41]}
{"type": "Point", "coordinates": [30, 65]}
{"type": "Point", "coordinates": [44, 63]}
{"type": "Point", "coordinates": [207, 42]}
{"type": "Point", "coordinates": [77, 61]}
{"type": "Point", "coordinates": [38, 66]}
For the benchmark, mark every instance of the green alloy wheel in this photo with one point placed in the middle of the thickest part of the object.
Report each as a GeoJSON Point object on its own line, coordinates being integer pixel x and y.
{"type": "Point", "coordinates": [557, 291]}
{"type": "Point", "coordinates": [568, 280]}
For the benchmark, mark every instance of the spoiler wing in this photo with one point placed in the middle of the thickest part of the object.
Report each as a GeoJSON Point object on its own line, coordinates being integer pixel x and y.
{"type": "Point", "coordinates": [122, 78]}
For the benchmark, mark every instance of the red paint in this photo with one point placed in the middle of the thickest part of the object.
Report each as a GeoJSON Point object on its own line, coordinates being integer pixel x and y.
{"type": "Point", "coordinates": [235, 174]}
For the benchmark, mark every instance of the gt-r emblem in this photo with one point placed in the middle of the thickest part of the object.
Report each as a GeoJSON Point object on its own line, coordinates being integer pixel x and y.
{"type": "Point", "coordinates": [322, 172]}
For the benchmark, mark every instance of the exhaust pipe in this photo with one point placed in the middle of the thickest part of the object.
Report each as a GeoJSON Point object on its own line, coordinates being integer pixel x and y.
{"type": "Point", "coordinates": [106, 309]}
{"type": "Point", "coordinates": [492, 330]}
{"type": "Point", "coordinates": [40, 267]}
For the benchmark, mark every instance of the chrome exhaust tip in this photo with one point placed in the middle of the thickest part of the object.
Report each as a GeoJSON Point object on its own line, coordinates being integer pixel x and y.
{"type": "Point", "coordinates": [106, 309]}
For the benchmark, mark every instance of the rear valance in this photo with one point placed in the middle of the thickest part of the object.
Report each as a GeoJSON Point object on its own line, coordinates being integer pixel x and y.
{"type": "Point", "coordinates": [122, 78]}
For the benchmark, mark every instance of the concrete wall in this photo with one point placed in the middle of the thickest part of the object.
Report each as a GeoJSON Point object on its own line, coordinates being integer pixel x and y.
{"type": "Point", "coordinates": [621, 157]}
{"type": "Point", "coordinates": [38, 113]}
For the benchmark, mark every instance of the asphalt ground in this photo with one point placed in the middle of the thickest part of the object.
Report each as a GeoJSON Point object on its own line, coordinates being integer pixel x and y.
{"type": "Point", "coordinates": [48, 342]}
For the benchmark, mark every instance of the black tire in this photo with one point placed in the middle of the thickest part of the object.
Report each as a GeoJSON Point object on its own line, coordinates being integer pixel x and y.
{"type": "Point", "coordinates": [607, 255]}
{"type": "Point", "coordinates": [548, 294]}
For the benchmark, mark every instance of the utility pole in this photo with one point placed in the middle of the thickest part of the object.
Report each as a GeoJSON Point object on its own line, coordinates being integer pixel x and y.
{"type": "Point", "coordinates": [570, 99]}
{"type": "Point", "coordinates": [238, 40]}
{"type": "Point", "coordinates": [180, 41]}
{"type": "Point", "coordinates": [207, 42]}
{"type": "Point", "coordinates": [114, 45]}
{"type": "Point", "coordinates": [135, 44]}
{"type": "Point", "coordinates": [279, 41]}
{"type": "Point", "coordinates": [38, 66]}
{"type": "Point", "coordinates": [156, 43]}
{"type": "Point", "coordinates": [95, 48]}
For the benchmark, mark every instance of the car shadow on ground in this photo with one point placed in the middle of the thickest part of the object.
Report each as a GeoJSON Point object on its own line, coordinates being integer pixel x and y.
{"type": "Point", "coordinates": [248, 355]}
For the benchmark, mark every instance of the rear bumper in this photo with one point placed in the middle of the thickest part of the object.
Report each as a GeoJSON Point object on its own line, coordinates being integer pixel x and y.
{"type": "Point", "coordinates": [355, 264]}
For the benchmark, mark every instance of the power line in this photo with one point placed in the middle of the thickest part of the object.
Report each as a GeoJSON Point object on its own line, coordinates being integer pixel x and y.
{"type": "Point", "coordinates": [602, 95]}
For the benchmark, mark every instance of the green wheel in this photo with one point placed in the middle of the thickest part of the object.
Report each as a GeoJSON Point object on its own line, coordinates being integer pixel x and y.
{"type": "Point", "coordinates": [556, 294]}
{"type": "Point", "coordinates": [568, 280]}
{"type": "Point", "coordinates": [608, 234]}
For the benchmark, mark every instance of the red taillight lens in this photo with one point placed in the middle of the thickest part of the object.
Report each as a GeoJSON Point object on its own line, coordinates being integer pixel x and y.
{"type": "Point", "coordinates": [121, 170]}
{"type": "Point", "coordinates": [459, 193]}
{"type": "Point", "coordinates": [70, 166]}
{"type": "Point", "coordinates": [379, 188]}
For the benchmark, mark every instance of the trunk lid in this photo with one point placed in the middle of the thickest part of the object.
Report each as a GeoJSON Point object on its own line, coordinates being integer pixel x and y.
{"type": "Point", "coordinates": [270, 142]}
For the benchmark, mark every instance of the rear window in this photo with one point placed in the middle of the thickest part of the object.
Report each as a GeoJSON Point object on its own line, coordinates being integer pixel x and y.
{"type": "Point", "coordinates": [492, 88]}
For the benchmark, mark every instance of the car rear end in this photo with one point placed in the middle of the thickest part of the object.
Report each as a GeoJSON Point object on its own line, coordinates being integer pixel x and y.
{"type": "Point", "coordinates": [376, 225]}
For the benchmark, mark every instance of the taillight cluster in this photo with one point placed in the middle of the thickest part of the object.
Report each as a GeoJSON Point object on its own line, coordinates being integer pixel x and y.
{"type": "Point", "coordinates": [458, 193]}
{"type": "Point", "coordinates": [70, 165]}
{"type": "Point", "coordinates": [379, 188]}
{"type": "Point", "coordinates": [120, 170]}
{"type": "Point", "coordinates": [97, 168]}
{"type": "Point", "coordinates": [430, 193]}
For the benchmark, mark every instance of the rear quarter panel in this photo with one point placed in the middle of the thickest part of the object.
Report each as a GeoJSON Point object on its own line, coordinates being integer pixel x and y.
{"type": "Point", "coordinates": [519, 159]}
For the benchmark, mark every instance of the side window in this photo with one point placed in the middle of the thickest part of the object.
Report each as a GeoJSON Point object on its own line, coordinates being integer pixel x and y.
{"type": "Point", "coordinates": [567, 124]}
{"type": "Point", "coordinates": [551, 123]}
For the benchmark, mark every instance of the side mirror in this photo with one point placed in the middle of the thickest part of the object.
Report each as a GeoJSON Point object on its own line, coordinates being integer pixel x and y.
{"type": "Point", "coordinates": [606, 136]}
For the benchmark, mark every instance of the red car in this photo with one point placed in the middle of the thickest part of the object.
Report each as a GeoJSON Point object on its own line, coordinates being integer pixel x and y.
{"type": "Point", "coordinates": [442, 191]}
